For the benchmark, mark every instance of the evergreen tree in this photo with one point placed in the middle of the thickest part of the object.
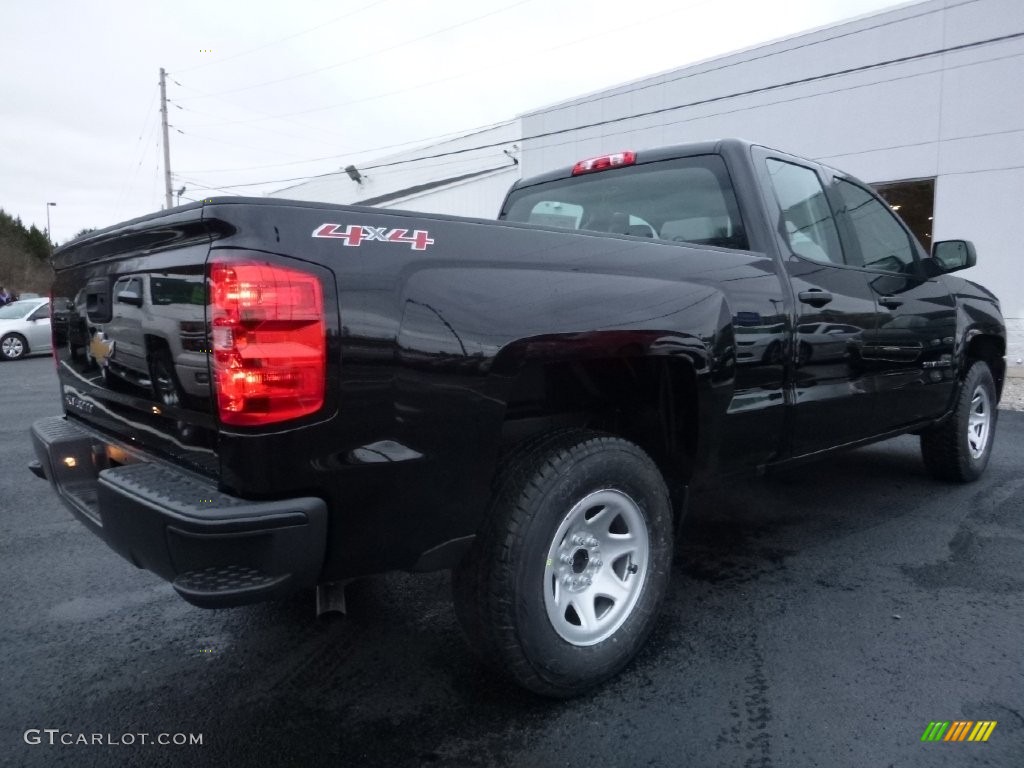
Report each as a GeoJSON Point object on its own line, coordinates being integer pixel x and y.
{"type": "Point", "coordinates": [24, 256]}
{"type": "Point", "coordinates": [37, 243]}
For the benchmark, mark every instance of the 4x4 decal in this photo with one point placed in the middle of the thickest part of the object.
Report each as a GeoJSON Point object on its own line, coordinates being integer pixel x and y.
{"type": "Point", "coordinates": [357, 234]}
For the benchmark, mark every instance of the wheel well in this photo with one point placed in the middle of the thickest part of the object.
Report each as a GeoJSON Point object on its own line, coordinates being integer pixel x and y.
{"type": "Point", "coordinates": [649, 401]}
{"type": "Point", "coordinates": [990, 349]}
{"type": "Point", "coordinates": [156, 344]}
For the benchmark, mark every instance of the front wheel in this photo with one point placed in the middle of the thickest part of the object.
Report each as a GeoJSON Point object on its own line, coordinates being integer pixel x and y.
{"type": "Point", "coordinates": [13, 346]}
{"type": "Point", "coordinates": [958, 450]}
{"type": "Point", "coordinates": [564, 582]}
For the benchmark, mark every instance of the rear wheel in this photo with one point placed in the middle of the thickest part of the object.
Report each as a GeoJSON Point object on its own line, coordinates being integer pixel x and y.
{"type": "Point", "coordinates": [958, 450]}
{"type": "Point", "coordinates": [165, 382]}
{"type": "Point", "coordinates": [13, 346]}
{"type": "Point", "coordinates": [167, 390]}
{"type": "Point", "coordinates": [564, 583]}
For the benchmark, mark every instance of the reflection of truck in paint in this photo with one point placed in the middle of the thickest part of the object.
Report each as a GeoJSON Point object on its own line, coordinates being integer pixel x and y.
{"type": "Point", "coordinates": [154, 338]}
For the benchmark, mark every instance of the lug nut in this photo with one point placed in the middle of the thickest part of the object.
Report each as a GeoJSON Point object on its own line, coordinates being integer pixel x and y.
{"type": "Point", "coordinates": [566, 558]}
{"type": "Point", "coordinates": [597, 563]}
{"type": "Point", "coordinates": [577, 539]}
{"type": "Point", "coordinates": [587, 581]}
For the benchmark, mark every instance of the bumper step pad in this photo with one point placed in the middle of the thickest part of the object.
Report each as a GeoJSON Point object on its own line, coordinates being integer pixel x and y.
{"type": "Point", "coordinates": [208, 585]}
{"type": "Point", "coordinates": [216, 549]}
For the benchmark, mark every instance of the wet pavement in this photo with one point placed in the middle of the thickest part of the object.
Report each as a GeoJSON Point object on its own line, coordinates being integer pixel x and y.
{"type": "Point", "coordinates": [820, 617]}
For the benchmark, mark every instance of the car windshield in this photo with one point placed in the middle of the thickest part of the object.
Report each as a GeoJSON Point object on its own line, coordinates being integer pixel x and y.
{"type": "Point", "coordinates": [17, 309]}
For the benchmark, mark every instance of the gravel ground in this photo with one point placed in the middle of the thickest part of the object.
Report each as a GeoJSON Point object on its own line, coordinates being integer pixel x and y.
{"type": "Point", "coordinates": [1013, 395]}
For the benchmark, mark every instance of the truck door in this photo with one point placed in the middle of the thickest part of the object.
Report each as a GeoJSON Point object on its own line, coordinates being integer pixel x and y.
{"type": "Point", "coordinates": [39, 329]}
{"type": "Point", "coordinates": [125, 327]}
{"type": "Point", "coordinates": [908, 355]}
{"type": "Point", "coordinates": [834, 306]}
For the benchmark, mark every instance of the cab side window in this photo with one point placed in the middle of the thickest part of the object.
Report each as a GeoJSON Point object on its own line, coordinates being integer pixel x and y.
{"type": "Point", "coordinates": [884, 244]}
{"type": "Point", "coordinates": [806, 215]}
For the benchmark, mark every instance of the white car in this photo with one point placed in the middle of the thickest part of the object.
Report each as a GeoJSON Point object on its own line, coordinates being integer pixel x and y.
{"type": "Point", "coordinates": [25, 328]}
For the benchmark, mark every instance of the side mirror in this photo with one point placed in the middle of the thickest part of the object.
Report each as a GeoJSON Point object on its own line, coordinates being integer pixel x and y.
{"type": "Point", "coordinates": [130, 297]}
{"type": "Point", "coordinates": [952, 255]}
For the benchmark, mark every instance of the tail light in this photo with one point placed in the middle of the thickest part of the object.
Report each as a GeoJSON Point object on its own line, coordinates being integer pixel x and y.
{"type": "Point", "coordinates": [604, 162]}
{"type": "Point", "coordinates": [269, 342]}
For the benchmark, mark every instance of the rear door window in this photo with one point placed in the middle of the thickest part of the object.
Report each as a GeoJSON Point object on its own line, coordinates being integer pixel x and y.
{"type": "Point", "coordinates": [806, 215]}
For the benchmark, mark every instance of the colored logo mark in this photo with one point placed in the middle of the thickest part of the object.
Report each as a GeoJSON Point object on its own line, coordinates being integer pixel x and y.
{"type": "Point", "coordinates": [958, 730]}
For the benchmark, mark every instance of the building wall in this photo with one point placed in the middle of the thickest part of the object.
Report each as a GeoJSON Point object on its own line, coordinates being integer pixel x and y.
{"type": "Point", "coordinates": [480, 154]}
{"type": "Point", "coordinates": [479, 198]}
{"type": "Point", "coordinates": [837, 95]}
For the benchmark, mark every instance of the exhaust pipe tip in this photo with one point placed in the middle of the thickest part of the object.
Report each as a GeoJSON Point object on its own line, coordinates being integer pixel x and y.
{"type": "Point", "coordinates": [330, 597]}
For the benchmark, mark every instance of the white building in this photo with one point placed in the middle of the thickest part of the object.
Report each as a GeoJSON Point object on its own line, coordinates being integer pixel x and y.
{"type": "Point", "coordinates": [925, 101]}
{"type": "Point", "coordinates": [930, 92]}
{"type": "Point", "coordinates": [464, 176]}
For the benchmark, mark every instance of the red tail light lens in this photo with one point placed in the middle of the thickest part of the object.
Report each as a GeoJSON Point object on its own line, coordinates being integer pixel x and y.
{"type": "Point", "coordinates": [269, 342]}
{"type": "Point", "coordinates": [604, 162]}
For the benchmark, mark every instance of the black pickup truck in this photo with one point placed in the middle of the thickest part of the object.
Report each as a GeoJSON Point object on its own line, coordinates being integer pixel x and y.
{"type": "Point", "coordinates": [324, 392]}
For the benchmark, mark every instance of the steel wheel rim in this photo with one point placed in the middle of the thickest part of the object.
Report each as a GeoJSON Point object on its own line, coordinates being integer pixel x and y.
{"type": "Point", "coordinates": [596, 567]}
{"type": "Point", "coordinates": [979, 422]}
{"type": "Point", "coordinates": [12, 347]}
{"type": "Point", "coordinates": [165, 388]}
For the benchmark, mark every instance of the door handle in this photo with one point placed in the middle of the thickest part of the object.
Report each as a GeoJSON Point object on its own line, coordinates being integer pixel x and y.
{"type": "Point", "coordinates": [890, 301]}
{"type": "Point", "coordinates": [816, 297]}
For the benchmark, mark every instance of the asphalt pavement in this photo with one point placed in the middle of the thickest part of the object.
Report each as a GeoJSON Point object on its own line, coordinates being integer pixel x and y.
{"type": "Point", "coordinates": [820, 617]}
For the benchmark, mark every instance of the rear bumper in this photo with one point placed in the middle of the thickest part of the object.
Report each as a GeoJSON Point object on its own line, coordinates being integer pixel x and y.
{"type": "Point", "coordinates": [217, 550]}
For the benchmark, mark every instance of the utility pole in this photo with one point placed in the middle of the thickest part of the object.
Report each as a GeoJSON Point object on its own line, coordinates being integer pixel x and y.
{"type": "Point", "coordinates": [167, 145]}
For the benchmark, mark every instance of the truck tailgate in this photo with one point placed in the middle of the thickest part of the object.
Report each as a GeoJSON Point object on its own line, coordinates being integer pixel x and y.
{"type": "Point", "coordinates": [131, 337]}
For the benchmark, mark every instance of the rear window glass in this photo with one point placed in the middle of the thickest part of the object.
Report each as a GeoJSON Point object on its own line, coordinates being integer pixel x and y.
{"type": "Point", "coordinates": [687, 200]}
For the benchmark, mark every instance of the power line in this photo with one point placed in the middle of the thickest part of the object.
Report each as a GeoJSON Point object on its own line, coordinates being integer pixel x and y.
{"type": "Point", "coordinates": [459, 75]}
{"type": "Point", "coordinates": [371, 54]}
{"type": "Point", "coordinates": [438, 139]}
{"type": "Point", "coordinates": [662, 110]}
{"type": "Point", "coordinates": [190, 182]}
{"type": "Point", "coordinates": [654, 82]}
{"type": "Point", "coordinates": [335, 20]}
{"type": "Point", "coordinates": [233, 143]}
{"type": "Point", "coordinates": [640, 86]}
{"type": "Point", "coordinates": [140, 149]}
{"type": "Point", "coordinates": [253, 120]}
{"type": "Point", "coordinates": [332, 134]}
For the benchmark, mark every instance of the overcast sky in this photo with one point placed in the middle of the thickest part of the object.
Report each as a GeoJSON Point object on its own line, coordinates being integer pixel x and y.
{"type": "Point", "coordinates": [264, 91]}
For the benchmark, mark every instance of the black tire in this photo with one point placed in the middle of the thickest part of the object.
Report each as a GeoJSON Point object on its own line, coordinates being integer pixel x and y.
{"type": "Point", "coordinates": [955, 450]}
{"type": "Point", "coordinates": [506, 587]}
{"type": "Point", "coordinates": [773, 354]}
{"type": "Point", "coordinates": [166, 387]}
{"type": "Point", "coordinates": [13, 346]}
{"type": "Point", "coordinates": [804, 353]}
{"type": "Point", "coordinates": [168, 391]}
